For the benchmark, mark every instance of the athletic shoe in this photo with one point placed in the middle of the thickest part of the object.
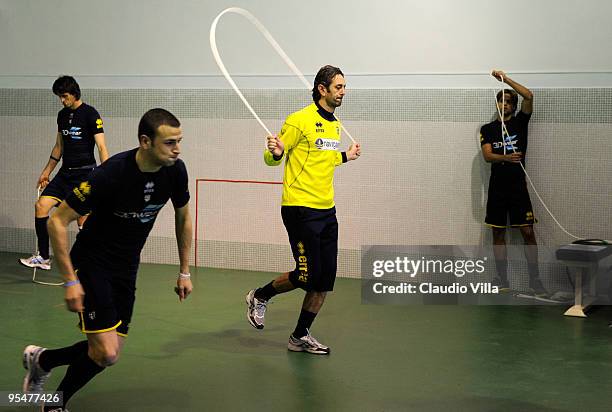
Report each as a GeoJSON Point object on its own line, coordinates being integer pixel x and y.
{"type": "Point", "coordinates": [36, 377]}
{"type": "Point", "coordinates": [308, 344]}
{"type": "Point", "coordinates": [36, 261]}
{"type": "Point", "coordinates": [537, 288]}
{"type": "Point", "coordinates": [256, 310]}
{"type": "Point", "coordinates": [502, 284]}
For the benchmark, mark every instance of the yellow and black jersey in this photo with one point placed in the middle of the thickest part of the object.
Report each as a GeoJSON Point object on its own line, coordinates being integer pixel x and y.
{"type": "Point", "coordinates": [311, 137]}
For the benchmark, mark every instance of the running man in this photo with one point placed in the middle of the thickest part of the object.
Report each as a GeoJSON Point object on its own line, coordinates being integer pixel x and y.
{"type": "Point", "coordinates": [123, 197]}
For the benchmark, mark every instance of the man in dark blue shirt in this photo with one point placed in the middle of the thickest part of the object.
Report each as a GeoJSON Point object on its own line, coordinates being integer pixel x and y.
{"type": "Point", "coordinates": [123, 198]}
{"type": "Point", "coordinates": [504, 145]}
{"type": "Point", "coordinates": [79, 129]}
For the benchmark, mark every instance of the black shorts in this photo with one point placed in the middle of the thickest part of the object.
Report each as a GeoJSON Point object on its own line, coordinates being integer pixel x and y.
{"type": "Point", "coordinates": [64, 181]}
{"type": "Point", "coordinates": [511, 202]}
{"type": "Point", "coordinates": [109, 299]}
{"type": "Point", "coordinates": [313, 235]}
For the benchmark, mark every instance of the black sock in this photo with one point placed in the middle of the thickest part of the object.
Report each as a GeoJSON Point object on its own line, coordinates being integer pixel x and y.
{"type": "Point", "coordinates": [52, 358]}
{"type": "Point", "coordinates": [304, 323]}
{"type": "Point", "coordinates": [502, 269]}
{"type": "Point", "coordinates": [266, 293]}
{"type": "Point", "coordinates": [534, 271]}
{"type": "Point", "coordinates": [80, 371]}
{"type": "Point", "coordinates": [40, 224]}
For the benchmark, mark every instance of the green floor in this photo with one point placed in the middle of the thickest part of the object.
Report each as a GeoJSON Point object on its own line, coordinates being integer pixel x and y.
{"type": "Point", "coordinates": [203, 355]}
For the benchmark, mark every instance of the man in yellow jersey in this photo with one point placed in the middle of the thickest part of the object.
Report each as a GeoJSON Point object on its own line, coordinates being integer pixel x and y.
{"type": "Point", "coordinates": [309, 141]}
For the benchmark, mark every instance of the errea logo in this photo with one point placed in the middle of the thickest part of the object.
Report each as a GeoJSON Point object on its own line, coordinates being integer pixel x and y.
{"type": "Point", "coordinates": [82, 191]}
{"type": "Point", "coordinates": [327, 144]}
{"type": "Point", "coordinates": [85, 188]}
{"type": "Point", "coordinates": [319, 127]}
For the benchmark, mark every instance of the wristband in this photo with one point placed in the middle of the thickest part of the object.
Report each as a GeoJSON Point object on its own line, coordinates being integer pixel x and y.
{"type": "Point", "coordinates": [71, 283]}
{"type": "Point", "coordinates": [51, 157]}
{"type": "Point", "coordinates": [184, 275]}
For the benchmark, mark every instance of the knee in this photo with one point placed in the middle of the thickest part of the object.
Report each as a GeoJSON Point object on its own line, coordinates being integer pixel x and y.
{"type": "Point", "coordinates": [109, 358]}
{"type": "Point", "coordinates": [105, 357]}
{"type": "Point", "coordinates": [529, 236]}
{"type": "Point", "coordinates": [39, 208]}
{"type": "Point", "coordinates": [42, 207]}
{"type": "Point", "coordinates": [299, 279]}
{"type": "Point", "coordinates": [499, 240]}
{"type": "Point", "coordinates": [499, 236]}
{"type": "Point", "coordinates": [319, 296]}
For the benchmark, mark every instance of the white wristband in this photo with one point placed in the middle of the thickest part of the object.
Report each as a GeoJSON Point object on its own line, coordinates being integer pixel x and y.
{"type": "Point", "coordinates": [184, 275]}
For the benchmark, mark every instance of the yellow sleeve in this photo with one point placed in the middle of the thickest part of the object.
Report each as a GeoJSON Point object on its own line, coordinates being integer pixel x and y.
{"type": "Point", "coordinates": [269, 159]}
{"type": "Point", "coordinates": [338, 161]}
{"type": "Point", "coordinates": [290, 135]}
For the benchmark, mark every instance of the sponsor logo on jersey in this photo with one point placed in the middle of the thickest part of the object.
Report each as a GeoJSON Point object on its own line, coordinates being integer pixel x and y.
{"type": "Point", "coordinates": [327, 144]}
{"type": "Point", "coordinates": [146, 215]}
{"type": "Point", "coordinates": [319, 127]}
{"type": "Point", "coordinates": [510, 142]}
{"type": "Point", "coordinates": [74, 132]}
{"type": "Point", "coordinates": [99, 124]}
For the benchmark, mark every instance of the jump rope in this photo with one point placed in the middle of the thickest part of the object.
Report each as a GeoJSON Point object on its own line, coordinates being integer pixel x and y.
{"type": "Point", "coordinates": [268, 36]}
{"type": "Point", "coordinates": [504, 133]}
{"type": "Point", "coordinates": [262, 29]}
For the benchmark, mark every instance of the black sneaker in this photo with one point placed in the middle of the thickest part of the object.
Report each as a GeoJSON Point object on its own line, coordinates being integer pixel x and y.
{"type": "Point", "coordinates": [502, 284]}
{"type": "Point", "coordinates": [537, 288]}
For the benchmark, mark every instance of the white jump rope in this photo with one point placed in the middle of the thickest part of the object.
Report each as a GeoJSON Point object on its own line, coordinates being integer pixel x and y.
{"type": "Point", "coordinates": [504, 131]}
{"type": "Point", "coordinates": [38, 191]}
{"type": "Point", "coordinates": [273, 43]}
{"type": "Point", "coordinates": [298, 73]}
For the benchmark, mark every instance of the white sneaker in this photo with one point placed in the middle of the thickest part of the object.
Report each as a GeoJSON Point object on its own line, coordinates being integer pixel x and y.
{"type": "Point", "coordinates": [36, 376]}
{"type": "Point", "coordinates": [308, 344]}
{"type": "Point", "coordinates": [256, 310]}
{"type": "Point", "coordinates": [36, 261]}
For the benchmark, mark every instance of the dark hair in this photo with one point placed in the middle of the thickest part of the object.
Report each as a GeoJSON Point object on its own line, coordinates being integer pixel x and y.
{"type": "Point", "coordinates": [153, 119]}
{"type": "Point", "coordinates": [66, 84]}
{"type": "Point", "coordinates": [325, 76]}
{"type": "Point", "coordinates": [513, 97]}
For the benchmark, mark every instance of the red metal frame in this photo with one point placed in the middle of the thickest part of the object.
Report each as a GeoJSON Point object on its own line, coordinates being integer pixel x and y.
{"type": "Point", "coordinates": [197, 184]}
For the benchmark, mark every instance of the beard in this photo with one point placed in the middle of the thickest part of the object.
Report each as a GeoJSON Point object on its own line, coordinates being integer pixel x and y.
{"type": "Point", "coordinates": [331, 102]}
